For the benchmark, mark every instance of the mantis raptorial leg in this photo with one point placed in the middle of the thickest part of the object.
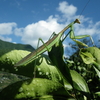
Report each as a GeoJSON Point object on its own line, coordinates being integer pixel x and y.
{"type": "Point", "coordinates": [73, 37]}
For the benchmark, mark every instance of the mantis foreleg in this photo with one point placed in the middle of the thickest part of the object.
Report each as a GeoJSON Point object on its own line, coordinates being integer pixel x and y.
{"type": "Point", "coordinates": [73, 37]}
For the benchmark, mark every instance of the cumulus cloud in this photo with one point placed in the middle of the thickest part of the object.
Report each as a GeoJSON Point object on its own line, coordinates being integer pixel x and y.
{"type": "Point", "coordinates": [42, 29]}
{"type": "Point", "coordinates": [6, 28]}
{"type": "Point", "coordinates": [66, 9]}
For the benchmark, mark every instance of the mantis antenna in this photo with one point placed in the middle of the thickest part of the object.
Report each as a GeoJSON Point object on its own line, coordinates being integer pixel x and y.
{"type": "Point", "coordinates": [84, 8]}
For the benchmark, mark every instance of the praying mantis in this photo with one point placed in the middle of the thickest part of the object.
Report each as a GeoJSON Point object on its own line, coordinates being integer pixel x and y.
{"type": "Point", "coordinates": [53, 41]}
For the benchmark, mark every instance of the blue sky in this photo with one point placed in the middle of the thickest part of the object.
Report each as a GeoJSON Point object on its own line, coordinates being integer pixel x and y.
{"type": "Point", "coordinates": [24, 21]}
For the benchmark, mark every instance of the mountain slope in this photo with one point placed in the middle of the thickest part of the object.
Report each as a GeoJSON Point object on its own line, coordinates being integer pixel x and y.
{"type": "Point", "coordinates": [11, 46]}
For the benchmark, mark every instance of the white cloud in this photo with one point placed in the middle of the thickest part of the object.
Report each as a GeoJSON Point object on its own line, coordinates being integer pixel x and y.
{"type": "Point", "coordinates": [6, 39]}
{"type": "Point", "coordinates": [42, 29]}
{"type": "Point", "coordinates": [7, 28]}
{"type": "Point", "coordinates": [67, 10]}
{"type": "Point", "coordinates": [18, 31]}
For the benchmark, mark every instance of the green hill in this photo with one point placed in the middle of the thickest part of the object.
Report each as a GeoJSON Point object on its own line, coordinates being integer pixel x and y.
{"type": "Point", "coordinates": [8, 46]}
{"type": "Point", "coordinates": [11, 46]}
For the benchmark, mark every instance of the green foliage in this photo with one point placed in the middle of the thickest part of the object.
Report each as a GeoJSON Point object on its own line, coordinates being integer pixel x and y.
{"type": "Point", "coordinates": [87, 65]}
{"type": "Point", "coordinates": [91, 56]}
{"type": "Point", "coordinates": [43, 70]}
{"type": "Point", "coordinates": [50, 78]}
{"type": "Point", "coordinates": [72, 77]}
{"type": "Point", "coordinates": [37, 89]}
{"type": "Point", "coordinates": [8, 60]}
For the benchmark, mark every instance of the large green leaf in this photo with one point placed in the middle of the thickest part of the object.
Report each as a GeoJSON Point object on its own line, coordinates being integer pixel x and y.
{"type": "Point", "coordinates": [8, 59]}
{"type": "Point", "coordinates": [37, 89]}
{"type": "Point", "coordinates": [56, 56]}
{"type": "Point", "coordinates": [79, 82]}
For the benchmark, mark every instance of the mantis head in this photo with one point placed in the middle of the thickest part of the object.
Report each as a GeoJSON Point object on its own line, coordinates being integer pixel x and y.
{"type": "Point", "coordinates": [77, 21]}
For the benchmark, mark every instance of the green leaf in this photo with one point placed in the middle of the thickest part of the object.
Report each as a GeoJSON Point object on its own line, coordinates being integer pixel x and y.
{"type": "Point", "coordinates": [86, 56]}
{"type": "Point", "coordinates": [41, 89]}
{"type": "Point", "coordinates": [79, 82]}
{"type": "Point", "coordinates": [91, 55]}
{"type": "Point", "coordinates": [97, 71]}
{"type": "Point", "coordinates": [56, 56]}
{"type": "Point", "coordinates": [95, 53]}
{"type": "Point", "coordinates": [8, 59]}
{"type": "Point", "coordinates": [98, 93]}
{"type": "Point", "coordinates": [45, 69]}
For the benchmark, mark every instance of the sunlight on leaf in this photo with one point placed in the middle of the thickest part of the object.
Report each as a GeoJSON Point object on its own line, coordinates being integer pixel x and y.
{"type": "Point", "coordinates": [36, 88]}
{"type": "Point", "coordinates": [86, 56]}
{"type": "Point", "coordinates": [79, 83]}
{"type": "Point", "coordinates": [98, 93]}
{"type": "Point", "coordinates": [97, 71]}
{"type": "Point", "coordinates": [91, 55]}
